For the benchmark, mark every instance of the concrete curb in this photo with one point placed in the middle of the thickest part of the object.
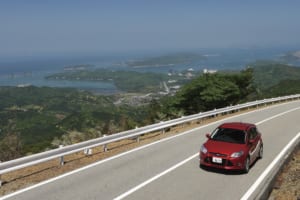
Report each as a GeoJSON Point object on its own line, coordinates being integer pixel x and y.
{"type": "Point", "coordinates": [267, 185]}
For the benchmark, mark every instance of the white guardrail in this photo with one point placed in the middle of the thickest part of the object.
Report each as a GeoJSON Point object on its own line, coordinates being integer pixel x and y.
{"type": "Point", "coordinates": [19, 163]}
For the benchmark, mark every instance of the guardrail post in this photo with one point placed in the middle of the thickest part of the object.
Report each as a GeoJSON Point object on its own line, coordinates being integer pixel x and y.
{"type": "Point", "coordinates": [61, 162]}
{"type": "Point", "coordinates": [163, 131]}
{"type": "Point", "coordinates": [0, 178]}
{"type": "Point", "coordinates": [138, 139]}
{"type": "Point", "coordinates": [88, 152]}
{"type": "Point", "coordinates": [105, 148]}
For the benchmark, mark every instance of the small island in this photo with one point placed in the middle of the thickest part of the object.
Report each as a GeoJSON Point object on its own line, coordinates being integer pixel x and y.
{"type": "Point", "coordinates": [292, 56]}
{"type": "Point", "coordinates": [167, 60]}
{"type": "Point", "coordinates": [130, 81]}
{"type": "Point", "coordinates": [78, 67]}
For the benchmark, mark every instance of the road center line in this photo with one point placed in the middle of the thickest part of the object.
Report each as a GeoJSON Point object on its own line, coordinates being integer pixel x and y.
{"type": "Point", "coordinates": [249, 192]}
{"type": "Point", "coordinates": [155, 177]}
{"type": "Point", "coordinates": [278, 115]}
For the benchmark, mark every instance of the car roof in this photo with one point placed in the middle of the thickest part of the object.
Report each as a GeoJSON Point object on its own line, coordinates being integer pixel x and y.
{"type": "Point", "coordinates": [237, 125]}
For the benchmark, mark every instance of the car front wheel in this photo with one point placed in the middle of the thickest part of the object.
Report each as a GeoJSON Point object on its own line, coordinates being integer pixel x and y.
{"type": "Point", "coordinates": [261, 152]}
{"type": "Point", "coordinates": [247, 165]}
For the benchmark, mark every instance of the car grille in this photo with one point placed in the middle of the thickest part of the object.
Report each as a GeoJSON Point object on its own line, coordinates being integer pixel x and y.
{"type": "Point", "coordinates": [218, 154]}
{"type": "Point", "coordinates": [225, 162]}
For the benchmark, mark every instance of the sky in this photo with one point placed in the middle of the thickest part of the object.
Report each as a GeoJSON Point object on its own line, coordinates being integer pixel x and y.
{"type": "Point", "coordinates": [42, 27]}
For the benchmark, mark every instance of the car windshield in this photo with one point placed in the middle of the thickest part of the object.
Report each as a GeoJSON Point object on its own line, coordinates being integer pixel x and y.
{"type": "Point", "coordinates": [229, 135]}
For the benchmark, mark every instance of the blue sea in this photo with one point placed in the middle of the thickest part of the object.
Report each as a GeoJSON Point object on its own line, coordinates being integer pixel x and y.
{"type": "Point", "coordinates": [33, 71]}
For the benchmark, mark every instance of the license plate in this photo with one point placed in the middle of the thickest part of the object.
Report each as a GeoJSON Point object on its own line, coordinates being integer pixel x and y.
{"type": "Point", "coordinates": [217, 160]}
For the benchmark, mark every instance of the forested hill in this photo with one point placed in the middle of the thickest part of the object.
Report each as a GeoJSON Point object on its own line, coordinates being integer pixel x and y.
{"type": "Point", "coordinates": [33, 119]}
{"type": "Point", "coordinates": [268, 74]}
{"type": "Point", "coordinates": [284, 87]}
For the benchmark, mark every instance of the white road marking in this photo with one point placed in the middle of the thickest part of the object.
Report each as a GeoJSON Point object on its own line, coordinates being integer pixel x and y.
{"type": "Point", "coordinates": [136, 149]}
{"type": "Point", "coordinates": [155, 177]}
{"type": "Point", "coordinates": [280, 114]}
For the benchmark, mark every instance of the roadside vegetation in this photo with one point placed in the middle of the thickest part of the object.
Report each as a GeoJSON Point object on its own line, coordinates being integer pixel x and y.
{"type": "Point", "coordinates": [34, 119]}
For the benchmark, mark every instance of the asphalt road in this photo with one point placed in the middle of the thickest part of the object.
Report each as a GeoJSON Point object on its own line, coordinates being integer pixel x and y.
{"type": "Point", "coordinates": [169, 169]}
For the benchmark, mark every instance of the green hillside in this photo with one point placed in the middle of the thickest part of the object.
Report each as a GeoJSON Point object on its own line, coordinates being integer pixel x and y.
{"type": "Point", "coordinates": [283, 88]}
{"type": "Point", "coordinates": [33, 119]}
{"type": "Point", "coordinates": [268, 74]}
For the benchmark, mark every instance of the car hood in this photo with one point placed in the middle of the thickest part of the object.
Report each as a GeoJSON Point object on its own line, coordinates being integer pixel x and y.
{"type": "Point", "coordinates": [223, 147]}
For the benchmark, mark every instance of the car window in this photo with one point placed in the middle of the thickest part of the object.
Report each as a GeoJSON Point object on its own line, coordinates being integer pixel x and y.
{"type": "Point", "coordinates": [252, 133]}
{"type": "Point", "coordinates": [229, 135]}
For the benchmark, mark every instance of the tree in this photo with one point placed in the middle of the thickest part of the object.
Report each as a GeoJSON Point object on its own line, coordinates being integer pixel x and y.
{"type": "Point", "coordinates": [210, 91]}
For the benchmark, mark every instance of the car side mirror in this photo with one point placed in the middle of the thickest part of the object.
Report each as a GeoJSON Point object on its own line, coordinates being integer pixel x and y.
{"type": "Point", "coordinates": [208, 135]}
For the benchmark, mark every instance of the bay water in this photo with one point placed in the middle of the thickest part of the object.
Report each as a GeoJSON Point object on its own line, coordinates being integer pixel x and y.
{"type": "Point", "coordinates": [33, 72]}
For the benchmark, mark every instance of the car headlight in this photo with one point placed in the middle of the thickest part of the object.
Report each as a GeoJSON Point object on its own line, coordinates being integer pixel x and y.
{"type": "Point", "coordinates": [237, 154]}
{"type": "Point", "coordinates": [203, 149]}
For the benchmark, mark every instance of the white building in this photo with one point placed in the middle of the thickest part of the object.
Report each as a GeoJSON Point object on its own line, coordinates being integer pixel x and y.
{"type": "Point", "coordinates": [207, 71]}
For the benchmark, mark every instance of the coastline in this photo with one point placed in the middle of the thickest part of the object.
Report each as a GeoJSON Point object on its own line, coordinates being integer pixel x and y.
{"type": "Point", "coordinates": [37, 79]}
{"type": "Point", "coordinates": [32, 72]}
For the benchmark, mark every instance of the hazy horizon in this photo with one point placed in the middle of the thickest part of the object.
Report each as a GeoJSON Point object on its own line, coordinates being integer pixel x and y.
{"type": "Point", "coordinates": [49, 28]}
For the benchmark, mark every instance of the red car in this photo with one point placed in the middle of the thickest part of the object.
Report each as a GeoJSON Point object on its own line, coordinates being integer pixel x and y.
{"type": "Point", "coordinates": [232, 146]}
